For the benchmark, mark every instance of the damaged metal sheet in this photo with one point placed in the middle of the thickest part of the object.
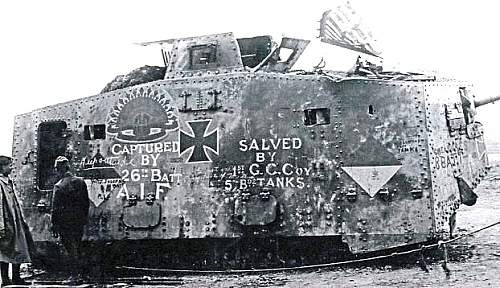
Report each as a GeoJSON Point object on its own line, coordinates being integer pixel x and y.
{"type": "Point", "coordinates": [286, 55]}
{"type": "Point", "coordinates": [343, 28]}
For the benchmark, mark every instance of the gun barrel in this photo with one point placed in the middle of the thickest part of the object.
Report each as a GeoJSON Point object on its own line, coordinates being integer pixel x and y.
{"type": "Point", "coordinates": [485, 101]}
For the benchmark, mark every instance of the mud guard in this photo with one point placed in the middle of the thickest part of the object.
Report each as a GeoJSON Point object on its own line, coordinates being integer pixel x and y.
{"type": "Point", "coordinates": [467, 195]}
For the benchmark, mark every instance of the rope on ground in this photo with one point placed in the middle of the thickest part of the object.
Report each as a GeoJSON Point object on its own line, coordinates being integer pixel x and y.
{"type": "Point", "coordinates": [315, 266]}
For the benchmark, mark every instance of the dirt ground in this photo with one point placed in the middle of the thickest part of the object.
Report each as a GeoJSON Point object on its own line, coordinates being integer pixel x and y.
{"type": "Point", "coordinates": [474, 261]}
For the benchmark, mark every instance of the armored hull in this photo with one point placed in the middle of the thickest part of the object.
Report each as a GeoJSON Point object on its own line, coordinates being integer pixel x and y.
{"type": "Point", "coordinates": [217, 153]}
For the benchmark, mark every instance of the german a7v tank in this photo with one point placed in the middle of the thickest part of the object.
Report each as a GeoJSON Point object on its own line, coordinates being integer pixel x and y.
{"type": "Point", "coordinates": [231, 159]}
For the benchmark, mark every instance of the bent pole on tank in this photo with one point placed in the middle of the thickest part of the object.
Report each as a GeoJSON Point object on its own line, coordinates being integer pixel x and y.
{"type": "Point", "coordinates": [485, 101]}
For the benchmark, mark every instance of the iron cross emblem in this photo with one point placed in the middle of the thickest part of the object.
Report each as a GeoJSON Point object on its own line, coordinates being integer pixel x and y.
{"type": "Point", "coordinates": [200, 139]}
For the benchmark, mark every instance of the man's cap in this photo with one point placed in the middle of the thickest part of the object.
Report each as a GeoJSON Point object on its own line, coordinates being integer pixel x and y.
{"type": "Point", "coordinates": [61, 160]}
{"type": "Point", "coordinates": [5, 160]}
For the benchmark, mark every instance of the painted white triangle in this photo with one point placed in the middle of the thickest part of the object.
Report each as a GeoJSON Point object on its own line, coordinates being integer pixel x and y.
{"type": "Point", "coordinates": [371, 178]}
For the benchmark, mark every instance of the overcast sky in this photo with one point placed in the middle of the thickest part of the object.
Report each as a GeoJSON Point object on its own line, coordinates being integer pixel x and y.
{"type": "Point", "coordinates": [55, 51]}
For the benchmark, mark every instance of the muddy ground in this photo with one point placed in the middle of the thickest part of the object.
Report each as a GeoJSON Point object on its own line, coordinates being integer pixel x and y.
{"type": "Point", "coordinates": [474, 261]}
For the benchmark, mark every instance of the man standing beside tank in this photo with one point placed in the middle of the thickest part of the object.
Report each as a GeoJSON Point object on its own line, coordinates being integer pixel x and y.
{"type": "Point", "coordinates": [15, 238]}
{"type": "Point", "coordinates": [70, 210]}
